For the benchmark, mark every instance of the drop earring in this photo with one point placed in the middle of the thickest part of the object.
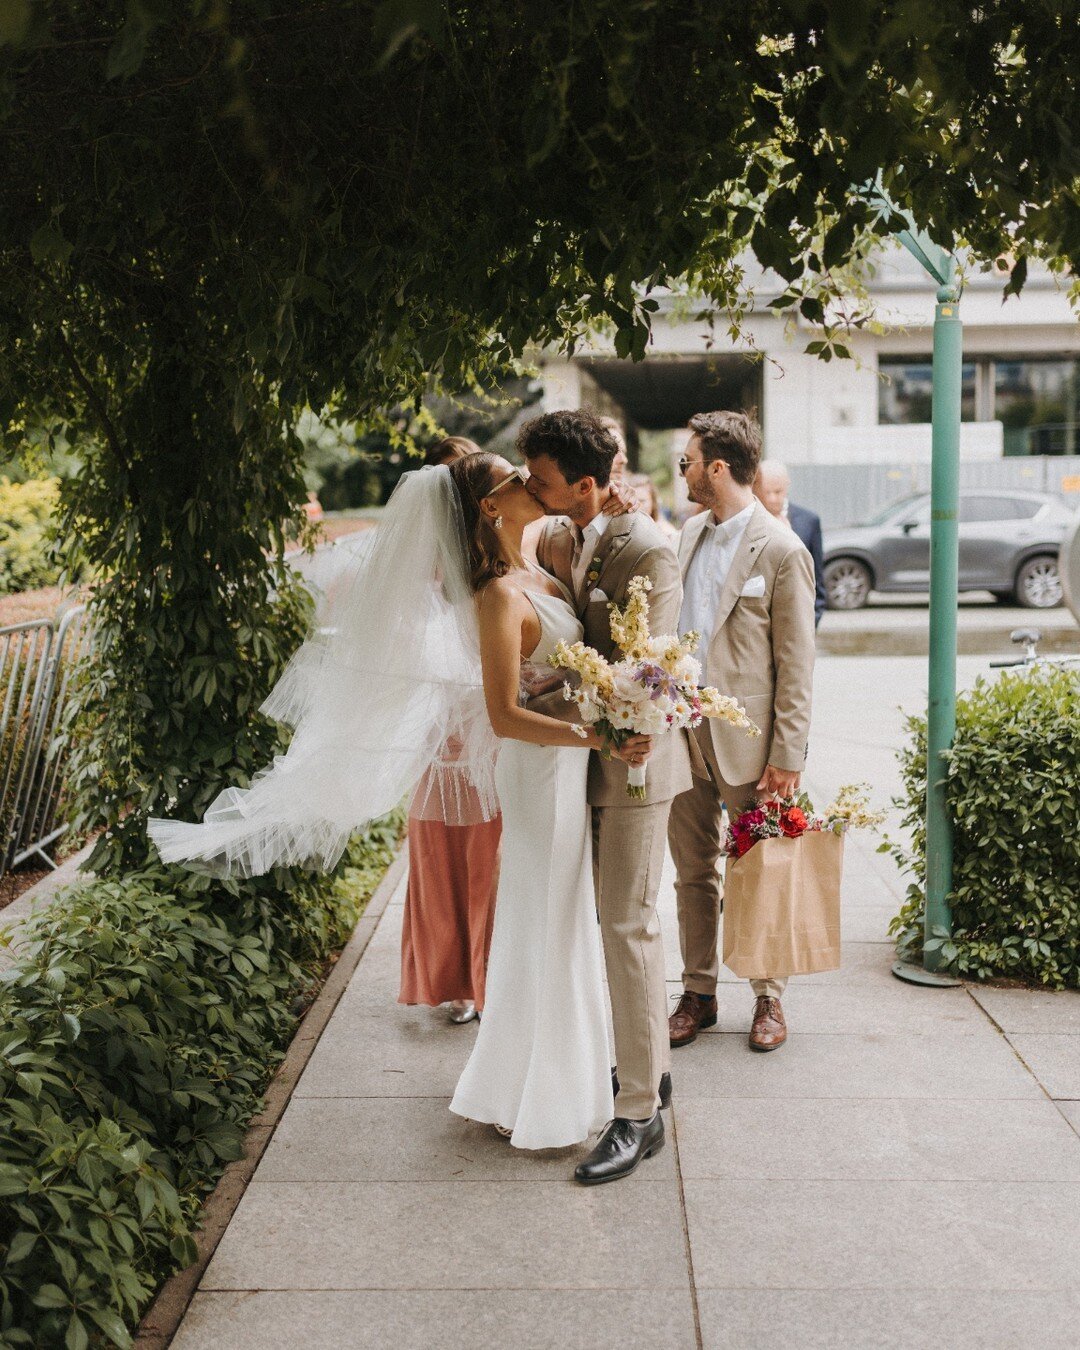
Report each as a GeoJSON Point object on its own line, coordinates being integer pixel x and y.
{"type": "Point", "coordinates": [498, 522]}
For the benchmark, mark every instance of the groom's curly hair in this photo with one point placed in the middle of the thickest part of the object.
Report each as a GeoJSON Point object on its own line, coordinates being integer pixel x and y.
{"type": "Point", "coordinates": [579, 443]}
{"type": "Point", "coordinates": [473, 477]}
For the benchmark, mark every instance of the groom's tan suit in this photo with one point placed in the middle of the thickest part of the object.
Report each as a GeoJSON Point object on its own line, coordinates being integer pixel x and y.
{"type": "Point", "coordinates": [628, 834]}
{"type": "Point", "coordinates": [760, 651]}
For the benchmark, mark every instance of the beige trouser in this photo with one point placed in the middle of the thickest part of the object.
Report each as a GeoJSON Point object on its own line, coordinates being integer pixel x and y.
{"type": "Point", "coordinates": [696, 837]}
{"type": "Point", "coordinates": [628, 854]}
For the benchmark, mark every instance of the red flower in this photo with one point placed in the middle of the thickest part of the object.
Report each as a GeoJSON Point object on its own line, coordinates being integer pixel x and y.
{"type": "Point", "coordinates": [743, 843]}
{"type": "Point", "coordinates": [793, 822]}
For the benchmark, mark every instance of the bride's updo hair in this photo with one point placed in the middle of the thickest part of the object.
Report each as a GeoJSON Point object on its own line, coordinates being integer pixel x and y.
{"type": "Point", "coordinates": [474, 477]}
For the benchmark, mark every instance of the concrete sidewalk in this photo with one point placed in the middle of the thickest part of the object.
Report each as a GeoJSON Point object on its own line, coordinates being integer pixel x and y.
{"type": "Point", "coordinates": [905, 1172]}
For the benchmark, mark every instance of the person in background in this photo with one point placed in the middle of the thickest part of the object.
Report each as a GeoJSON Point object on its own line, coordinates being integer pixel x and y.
{"type": "Point", "coordinates": [771, 488]}
{"type": "Point", "coordinates": [648, 501]}
{"type": "Point", "coordinates": [453, 879]}
{"type": "Point", "coordinates": [621, 463]}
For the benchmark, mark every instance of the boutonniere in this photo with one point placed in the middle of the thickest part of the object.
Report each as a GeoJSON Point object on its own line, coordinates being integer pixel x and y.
{"type": "Point", "coordinates": [592, 575]}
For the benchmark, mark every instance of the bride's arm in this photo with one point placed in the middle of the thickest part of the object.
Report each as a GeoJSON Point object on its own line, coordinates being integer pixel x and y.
{"type": "Point", "coordinates": [501, 615]}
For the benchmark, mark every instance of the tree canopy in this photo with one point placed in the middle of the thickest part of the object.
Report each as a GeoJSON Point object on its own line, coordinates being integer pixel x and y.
{"type": "Point", "coordinates": [215, 213]}
{"type": "Point", "coordinates": [301, 199]}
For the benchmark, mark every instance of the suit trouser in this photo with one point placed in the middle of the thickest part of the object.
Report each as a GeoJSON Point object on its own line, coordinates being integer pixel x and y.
{"type": "Point", "coordinates": [696, 836]}
{"type": "Point", "coordinates": [629, 857]}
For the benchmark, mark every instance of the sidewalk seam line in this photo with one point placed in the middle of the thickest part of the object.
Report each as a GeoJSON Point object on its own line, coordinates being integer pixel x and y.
{"type": "Point", "coordinates": [694, 1309]}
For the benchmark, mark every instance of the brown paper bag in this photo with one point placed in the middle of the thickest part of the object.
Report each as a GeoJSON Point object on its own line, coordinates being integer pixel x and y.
{"type": "Point", "coordinates": [782, 907]}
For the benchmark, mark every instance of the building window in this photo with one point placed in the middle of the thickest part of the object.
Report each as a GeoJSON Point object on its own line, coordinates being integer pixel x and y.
{"type": "Point", "coordinates": [1037, 399]}
{"type": "Point", "coordinates": [904, 391]}
{"type": "Point", "coordinates": [1037, 403]}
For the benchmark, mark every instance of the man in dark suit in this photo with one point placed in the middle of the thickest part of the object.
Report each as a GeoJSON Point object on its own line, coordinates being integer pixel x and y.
{"type": "Point", "coordinates": [771, 488]}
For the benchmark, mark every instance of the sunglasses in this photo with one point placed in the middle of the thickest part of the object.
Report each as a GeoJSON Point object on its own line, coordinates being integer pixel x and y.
{"type": "Point", "coordinates": [685, 463]}
{"type": "Point", "coordinates": [514, 476]}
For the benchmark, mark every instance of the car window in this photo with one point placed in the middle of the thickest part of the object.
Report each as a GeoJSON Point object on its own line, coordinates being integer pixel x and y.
{"type": "Point", "coordinates": [974, 510]}
{"type": "Point", "coordinates": [1024, 508]}
{"type": "Point", "coordinates": [920, 516]}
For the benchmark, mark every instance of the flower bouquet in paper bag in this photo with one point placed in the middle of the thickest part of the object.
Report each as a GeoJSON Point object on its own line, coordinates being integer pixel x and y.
{"type": "Point", "coordinates": [782, 884]}
{"type": "Point", "coordinates": [653, 688]}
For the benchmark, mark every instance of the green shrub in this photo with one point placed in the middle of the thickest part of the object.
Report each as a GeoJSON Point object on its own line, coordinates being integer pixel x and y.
{"type": "Point", "coordinates": [1012, 790]}
{"type": "Point", "coordinates": [26, 513]}
{"type": "Point", "coordinates": [140, 1027]}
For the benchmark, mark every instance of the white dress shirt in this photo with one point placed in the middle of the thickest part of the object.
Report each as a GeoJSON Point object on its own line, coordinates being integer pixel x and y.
{"type": "Point", "coordinates": [587, 541]}
{"type": "Point", "coordinates": [707, 573]}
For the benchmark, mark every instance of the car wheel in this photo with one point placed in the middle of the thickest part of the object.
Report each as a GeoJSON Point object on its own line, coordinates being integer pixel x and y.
{"type": "Point", "coordinates": [847, 583]}
{"type": "Point", "coordinates": [1038, 584]}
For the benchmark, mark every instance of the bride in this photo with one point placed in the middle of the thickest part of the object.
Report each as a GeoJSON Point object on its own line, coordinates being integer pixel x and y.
{"type": "Point", "coordinates": [439, 633]}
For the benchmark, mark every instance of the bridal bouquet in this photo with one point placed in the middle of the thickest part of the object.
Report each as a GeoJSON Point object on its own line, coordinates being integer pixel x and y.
{"type": "Point", "coordinates": [653, 688]}
{"type": "Point", "coordinates": [795, 817]}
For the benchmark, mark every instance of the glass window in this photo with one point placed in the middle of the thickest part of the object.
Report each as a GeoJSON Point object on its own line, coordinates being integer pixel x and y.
{"type": "Point", "coordinates": [1038, 404]}
{"type": "Point", "coordinates": [905, 386]}
{"type": "Point", "coordinates": [975, 509]}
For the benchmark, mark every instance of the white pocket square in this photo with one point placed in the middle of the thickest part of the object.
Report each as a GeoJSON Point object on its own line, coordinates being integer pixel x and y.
{"type": "Point", "coordinates": [755, 586]}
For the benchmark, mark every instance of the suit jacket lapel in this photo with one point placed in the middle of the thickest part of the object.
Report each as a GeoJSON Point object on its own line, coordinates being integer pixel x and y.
{"type": "Point", "coordinates": [610, 546]}
{"type": "Point", "coordinates": [742, 566]}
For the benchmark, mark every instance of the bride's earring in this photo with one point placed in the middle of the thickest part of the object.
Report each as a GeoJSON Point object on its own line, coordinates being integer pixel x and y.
{"type": "Point", "coordinates": [498, 522]}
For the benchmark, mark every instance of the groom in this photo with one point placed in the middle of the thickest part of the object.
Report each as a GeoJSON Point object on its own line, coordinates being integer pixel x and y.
{"type": "Point", "coordinates": [569, 457]}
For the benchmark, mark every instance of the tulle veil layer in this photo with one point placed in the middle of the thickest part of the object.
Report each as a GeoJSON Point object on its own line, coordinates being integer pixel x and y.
{"type": "Point", "coordinates": [385, 698]}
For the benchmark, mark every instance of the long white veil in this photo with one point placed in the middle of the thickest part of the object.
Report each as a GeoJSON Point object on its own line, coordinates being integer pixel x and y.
{"type": "Point", "coordinates": [385, 698]}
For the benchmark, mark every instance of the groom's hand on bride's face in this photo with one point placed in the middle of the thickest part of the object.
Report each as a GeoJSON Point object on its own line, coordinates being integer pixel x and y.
{"type": "Point", "coordinates": [634, 750]}
{"type": "Point", "coordinates": [778, 782]}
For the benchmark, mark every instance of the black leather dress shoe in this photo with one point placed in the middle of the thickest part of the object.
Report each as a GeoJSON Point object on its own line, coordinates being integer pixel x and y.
{"type": "Point", "coordinates": [665, 1088]}
{"type": "Point", "coordinates": [619, 1150]}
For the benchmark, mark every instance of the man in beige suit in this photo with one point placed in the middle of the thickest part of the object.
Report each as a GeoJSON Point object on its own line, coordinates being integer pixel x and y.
{"type": "Point", "coordinates": [749, 592]}
{"type": "Point", "coordinates": [569, 456]}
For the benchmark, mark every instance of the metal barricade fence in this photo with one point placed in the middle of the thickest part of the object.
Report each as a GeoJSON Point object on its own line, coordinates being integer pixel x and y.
{"type": "Point", "coordinates": [36, 661]}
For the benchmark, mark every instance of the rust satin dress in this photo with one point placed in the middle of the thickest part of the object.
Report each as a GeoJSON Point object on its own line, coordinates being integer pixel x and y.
{"type": "Point", "coordinates": [449, 910]}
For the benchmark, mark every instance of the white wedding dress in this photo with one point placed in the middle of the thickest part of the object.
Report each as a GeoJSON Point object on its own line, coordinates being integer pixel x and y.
{"type": "Point", "coordinates": [541, 1064]}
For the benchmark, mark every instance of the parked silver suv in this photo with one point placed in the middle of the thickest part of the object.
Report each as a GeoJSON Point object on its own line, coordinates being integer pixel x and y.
{"type": "Point", "coordinates": [1009, 544]}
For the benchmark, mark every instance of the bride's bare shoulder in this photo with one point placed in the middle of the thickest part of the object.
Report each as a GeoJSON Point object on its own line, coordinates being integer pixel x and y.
{"type": "Point", "coordinates": [500, 595]}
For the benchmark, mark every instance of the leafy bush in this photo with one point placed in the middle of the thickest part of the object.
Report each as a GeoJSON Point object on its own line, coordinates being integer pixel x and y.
{"type": "Point", "coordinates": [26, 512]}
{"type": "Point", "coordinates": [139, 1029]}
{"type": "Point", "coordinates": [1013, 786]}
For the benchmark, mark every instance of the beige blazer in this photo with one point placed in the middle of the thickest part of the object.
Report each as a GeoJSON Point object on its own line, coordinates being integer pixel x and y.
{"type": "Point", "coordinates": [632, 545]}
{"type": "Point", "coordinates": [762, 647]}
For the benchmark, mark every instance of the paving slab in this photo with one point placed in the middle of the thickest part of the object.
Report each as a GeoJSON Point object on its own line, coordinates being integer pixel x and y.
{"type": "Point", "coordinates": [1044, 1011]}
{"type": "Point", "coordinates": [1071, 1112]}
{"type": "Point", "coordinates": [418, 1139]}
{"type": "Point", "coordinates": [841, 1139]}
{"type": "Point", "coordinates": [398, 1052]}
{"type": "Point", "coordinates": [408, 1235]}
{"type": "Point", "coordinates": [980, 1066]}
{"type": "Point", "coordinates": [870, 1319]}
{"type": "Point", "coordinates": [835, 1235]}
{"type": "Point", "coordinates": [421, 1319]}
{"type": "Point", "coordinates": [1054, 1060]}
{"type": "Point", "coordinates": [885, 1008]}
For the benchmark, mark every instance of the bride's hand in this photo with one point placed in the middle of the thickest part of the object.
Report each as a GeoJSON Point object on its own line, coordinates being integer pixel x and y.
{"type": "Point", "coordinates": [634, 750]}
{"type": "Point", "coordinates": [621, 502]}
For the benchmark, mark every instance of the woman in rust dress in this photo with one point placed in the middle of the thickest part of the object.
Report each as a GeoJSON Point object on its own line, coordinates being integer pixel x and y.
{"type": "Point", "coordinates": [453, 877]}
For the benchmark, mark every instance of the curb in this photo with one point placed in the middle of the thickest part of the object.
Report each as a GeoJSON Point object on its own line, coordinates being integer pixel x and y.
{"type": "Point", "coordinates": [162, 1319]}
{"type": "Point", "coordinates": [916, 642]}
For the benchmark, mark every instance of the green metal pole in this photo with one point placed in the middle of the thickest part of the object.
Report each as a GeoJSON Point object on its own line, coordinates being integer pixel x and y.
{"type": "Point", "coordinates": [944, 504]}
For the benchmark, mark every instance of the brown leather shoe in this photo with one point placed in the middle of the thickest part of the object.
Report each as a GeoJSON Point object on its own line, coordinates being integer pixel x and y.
{"type": "Point", "coordinates": [769, 1031]}
{"type": "Point", "coordinates": [693, 1013]}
